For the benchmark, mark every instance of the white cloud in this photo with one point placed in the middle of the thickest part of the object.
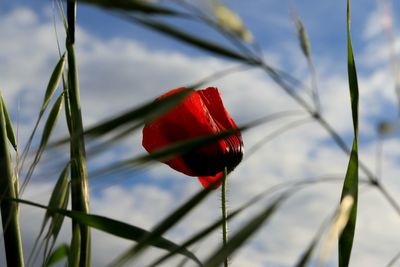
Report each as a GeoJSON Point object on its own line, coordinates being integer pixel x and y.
{"type": "Point", "coordinates": [119, 73]}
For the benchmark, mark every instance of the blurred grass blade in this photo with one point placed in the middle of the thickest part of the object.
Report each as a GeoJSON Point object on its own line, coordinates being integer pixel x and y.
{"type": "Point", "coordinates": [9, 126]}
{"type": "Point", "coordinates": [9, 210]}
{"type": "Point", "coordinates": [303, 36]}
{"type": "Point", "coordinates": [47, 131]}
{"type": "Point", "coordinates": [182, 147]}
{"type": "Point", "coordinates": [238, 239]}
{"type": "Point", "coordinates": [144, 113]}
{"type": "Point", "coordinates": [58, 199]}
{"type": "Point", "coordinates": [75, 251]}
{"type": "Point", "coordinates": [172, 219]}
{"type": "Point", "coordinates": [190, 39]}
{"type": "Point", "coordinates": [338, 224]}
{"type": "Point", "coordinates": [53, 82]}
{"type": "Point", "coordinates": [132, 6]}
{"type": "Point", "coordinates": [57, 255]}
{"type": "Point", "coordinates": [350, 186]}
{"type": "Point", "coordinates": [121, 229]}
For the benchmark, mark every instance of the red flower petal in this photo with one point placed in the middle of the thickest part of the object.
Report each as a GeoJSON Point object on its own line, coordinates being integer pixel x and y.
{"type": "Point", "coordinates": [201, 113]}
{"type": "Point", "coordinates": [214, 181]}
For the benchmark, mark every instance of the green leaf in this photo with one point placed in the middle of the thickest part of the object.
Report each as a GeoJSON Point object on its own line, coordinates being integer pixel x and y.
{"type": "Point", "coordinates": [350, 186]}
{"type": "Point", "coordinates": [132, 6]}
{"type": "Point", "coordinates": [53, 82]}
{"type": "Point", "coordinates": [9, 126]}
{"type": "Point", "coordinates": [239, 238]}
{"type": "Point", "coordinates": [121, 229]}
{"type": "Point", "coordinates": [57, 255]}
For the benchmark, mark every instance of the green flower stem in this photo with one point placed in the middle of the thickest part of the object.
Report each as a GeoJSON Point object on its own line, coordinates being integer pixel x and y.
{"type": "Point", "coordinates": [224, 213]}
{"type": "Point", "coordinates": [9, 210]}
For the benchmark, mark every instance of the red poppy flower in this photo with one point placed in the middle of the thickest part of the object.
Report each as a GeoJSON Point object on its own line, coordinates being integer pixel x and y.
{"type": "Point", "coordinates": [201, 113]}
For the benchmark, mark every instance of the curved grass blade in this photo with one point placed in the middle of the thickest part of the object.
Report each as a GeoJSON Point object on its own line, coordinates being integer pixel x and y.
{"type": "Point", "coordinates": [54, 81]}
{"type": "Point", "coordinates": [341, 219]}
{"type": "Point", "coordinates": [146, 112]}
{"type": "Point", "coordinates": [132, 6]}
{"type": "Point", "coordinates": [237, 240]}
{"type": "Point", "coordinates": [8, 123]}
{"type": "Point", "coordinates": [182, 147]}
{"type": "Point", "coordinates": [58, 199]}
{"type": "Point", "coordinates": [57, 255]}
{"type": "Point", "coordinates": [9, 211]}
{"type": "Point", "coordinates": [162, 227]}
{"type": "Point", "coordinates": [47, 131]}
{"type": "Point", "coordinates": [121, 229]}
{"type": "Point", "coordinates": [350, 186]}
{"type": "Point", "coordinates": [204, 44]}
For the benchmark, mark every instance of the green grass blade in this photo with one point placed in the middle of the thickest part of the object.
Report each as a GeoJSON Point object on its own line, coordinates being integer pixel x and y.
{"type": "Point", "coordinates": [120, 229]}
{"type": "Point", "coordinates": [60, 253]}
{"type": "Point", "coordinates": [239, 238]}
{"type": "Point", "coordinates": [198, 42]}
{"type": "Point", "coordinates": [172, 219]}
{"type": "Point", "coordinates": [9, 126]}
{"type": "Point", "coordinates": [131, 6]}
{"type": "Point", "coordinates": [58, 199]}
{"type": "Point", "coordinates": [146, 112]}
{"type": "Point", "coordinates": [182, 147]}
{"type": "Point", "coordinates": [9, 211]}
{"type": "Point", "coordinates": [47, 131]}
{"type": "Point", "coordinates": [75, 251]}
{"type": "Point", "coordinates": [79, 179]}
{"type": "Point", "coordinates": [350, 186]}
{"type": "Point", "coordinates": [54, 81]}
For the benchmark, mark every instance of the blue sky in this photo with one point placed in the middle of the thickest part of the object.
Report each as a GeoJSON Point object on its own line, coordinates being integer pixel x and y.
{"type": "Point", "coordinates": [122, 65]}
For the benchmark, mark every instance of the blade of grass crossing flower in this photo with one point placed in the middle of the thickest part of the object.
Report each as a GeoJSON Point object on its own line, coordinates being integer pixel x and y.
{"type": "Point", "coordinates": [60, 253]}
{"type": "Point", "coordinates": [79, 180]}
{"type": "Point", "coordinates": [9, 126]}
{"type": "Point", "coordinates": [9, 210]}
{"type": "Point", "coordinates": [172, 219]}
{"type": "Point", "coordinates": [117, 228]}
{"type": "Point", "coordinates": [182, 147]}
{"type": "Point", "coordinates": [350, 186]}
{"type": "Point", "coordinates": [131, 6]}
{"type": "Point", "coordinates": [238, 239]}
{"type": "Point", "coordinates": [147, 112]}
{"type": "Point", "coordinates": [47, 131]}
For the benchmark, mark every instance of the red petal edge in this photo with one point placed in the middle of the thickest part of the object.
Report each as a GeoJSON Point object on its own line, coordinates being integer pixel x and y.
{"type": "Point", "coordinates": [214, 182]}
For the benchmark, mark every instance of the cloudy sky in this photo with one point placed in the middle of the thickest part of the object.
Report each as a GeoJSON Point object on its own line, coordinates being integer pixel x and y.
{"type": "Point", "coordinates": [122, 65]}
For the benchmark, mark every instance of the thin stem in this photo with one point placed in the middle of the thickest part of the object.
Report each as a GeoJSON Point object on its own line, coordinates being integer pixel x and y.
{"type": "Point", "coordinates": [224, 213]}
